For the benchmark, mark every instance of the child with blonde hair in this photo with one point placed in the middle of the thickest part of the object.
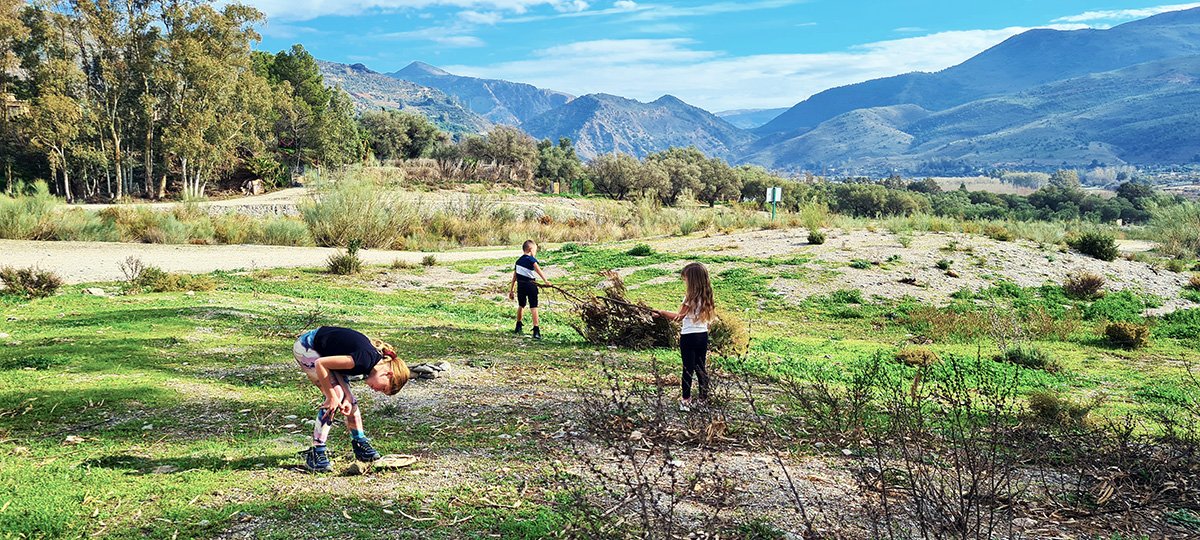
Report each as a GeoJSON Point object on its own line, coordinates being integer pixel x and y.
{"type": "Point", "coordinates": [695, 314]}
{"type": "Point", "coordinates": [329, 356]}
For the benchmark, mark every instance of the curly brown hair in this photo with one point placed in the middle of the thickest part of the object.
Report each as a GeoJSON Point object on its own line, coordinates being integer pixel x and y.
{"type": "Point", "coordinates": [699, 300]}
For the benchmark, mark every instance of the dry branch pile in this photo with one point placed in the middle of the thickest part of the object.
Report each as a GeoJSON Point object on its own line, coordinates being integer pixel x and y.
{"type": "Point", "coordinates": [612, 319]}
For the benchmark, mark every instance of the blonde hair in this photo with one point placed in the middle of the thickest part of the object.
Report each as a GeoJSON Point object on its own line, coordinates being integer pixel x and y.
{"type": "Point", "coordinates": [699, 298]}
{"type": "Point", "coordinates": [397, 367]}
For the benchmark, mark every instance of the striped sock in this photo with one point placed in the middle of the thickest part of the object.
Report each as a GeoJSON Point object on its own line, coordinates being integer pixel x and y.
{"type": "Point", "coordinates": [358, 434]}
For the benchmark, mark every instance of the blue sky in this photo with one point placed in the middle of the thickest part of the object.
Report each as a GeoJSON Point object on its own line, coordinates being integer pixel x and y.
{"type": "Point", "coordinates": [715, 54]}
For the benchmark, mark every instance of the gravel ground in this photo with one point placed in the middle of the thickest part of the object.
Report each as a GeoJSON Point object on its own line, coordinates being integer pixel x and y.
{"type": "Point", "coordinates": [83, 262]}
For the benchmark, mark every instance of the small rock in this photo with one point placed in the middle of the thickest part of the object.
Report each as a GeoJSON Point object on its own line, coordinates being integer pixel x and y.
{"type": "Point", "coordinates": [819, 445]}
{"type": "Point", "coordinates": [95, 291]}
{"type": "Point", "coordinates": [165, 469]}
{"type": "Point", "coordinates": [1025, 523]}
{"type": "Point", "coordinates": [190, 293]}
{"type": "Point", "coordinates": [847, 452]}
{"type": "Point", "coordinates": [504, 436]}
{"type": "Point", "coordinates": [636, 435]}
{"type": "Point", "coordinates": [289, 426]}
{"type": "Point", "coordinates": [4, 335]}
{"type": "Point", "coordinates": [203, 523]}
{"type": "Point", "coordinates": [290, 417]}
{"type": "Point", "coordinates": [73, 439]}
{"type": "Point", "coordinates": [148, 427]}
{"type": "Point", "coordinates": [388, 512]}
{"type": "Point", "coordinates": [676, 463]}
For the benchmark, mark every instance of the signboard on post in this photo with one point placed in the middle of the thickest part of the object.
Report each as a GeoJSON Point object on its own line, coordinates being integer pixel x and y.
{"type": "Point", "coordinates": [774, 196]}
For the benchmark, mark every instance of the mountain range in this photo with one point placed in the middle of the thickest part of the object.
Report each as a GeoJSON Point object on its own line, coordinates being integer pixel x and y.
{"type": "Point", "coordinates": [1041, 99]}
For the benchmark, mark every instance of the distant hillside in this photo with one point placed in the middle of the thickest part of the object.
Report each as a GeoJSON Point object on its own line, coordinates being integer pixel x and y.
{"type": "Point", "coordinates": [372, 91]}
{"type": "Point", "coordinates": [501, 102]}
{"type": "Point", "coordinates": [749, 118]}
{"type": "Point", "coordinates": [602, 123]}
{"type": "Point", "coordinates": [1019, 63]}
{"type": "Point", "coordinates": [1144, 114]}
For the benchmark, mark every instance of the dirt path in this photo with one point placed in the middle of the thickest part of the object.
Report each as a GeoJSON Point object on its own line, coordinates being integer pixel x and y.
{"type": "Point", "coordinates": [81, 262]}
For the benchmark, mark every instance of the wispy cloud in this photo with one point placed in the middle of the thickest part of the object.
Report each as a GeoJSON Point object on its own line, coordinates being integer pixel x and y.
{"type": "Point", "coordinates": [1118, 15]}
{"type": "Point", "coordinates": [648, 68]}
{"type": "Point", "coordinates": [300, 10]}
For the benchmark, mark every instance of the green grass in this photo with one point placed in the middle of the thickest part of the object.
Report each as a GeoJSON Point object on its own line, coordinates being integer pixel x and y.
{"type": "Point", "coordinates": [184, 402]}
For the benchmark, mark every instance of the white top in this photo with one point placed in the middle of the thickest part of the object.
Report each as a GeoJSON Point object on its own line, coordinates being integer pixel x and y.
{"type": "Point", "coordinates": [691, 325]}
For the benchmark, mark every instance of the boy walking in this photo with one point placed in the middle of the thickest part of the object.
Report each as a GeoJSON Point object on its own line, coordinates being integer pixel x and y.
{"type": "Point", "coordinates": [524, 282]}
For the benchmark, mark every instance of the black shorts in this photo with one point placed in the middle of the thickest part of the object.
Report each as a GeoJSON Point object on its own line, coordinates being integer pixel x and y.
{"type": "Point", "coordinates": [527, 292]}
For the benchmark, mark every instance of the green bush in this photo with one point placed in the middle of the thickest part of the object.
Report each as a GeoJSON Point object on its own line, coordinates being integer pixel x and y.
{"type": "Point", "coordinates": [905, 240]}
{"type": "Point", "coordinates": [816, 237]}
{"type": "Point", "coordinates": [728, 335]}
{"type": "Point", "coordinates": [1051, 408]}
{"type": "Point", "coordinates": [944, 264]}
{"type": "Point", "coordinates": [346, 263]}
{"type": "Point", "coordinates": [861, 264]}
{"type": "Point", "coordinates": [640, 250]}
{"type": "Point", "coordinates": [356, 209]}
{"type": "Point", "coordinates": [1180, 324]}
{"type": "Point", "coordinates": [1127, 335]}
{"type": "Point", "coordinates": [429, 260]}
{"type": "Point", "coordinates": [28, 217]}
{"type": "Point", "coordinates": [1177, 265]}
{"type": "Point", "coordinates": [1028, 356]}
{"type": "Point", "coordinates": [846, 296]}
{"type": "Point", "coordinates": [30, 282]}
{"type": "Point", "coordinates": [155, 279]}
{"type": "Point", "coordinates": [1082, 285]}
{"type": "Point", "coordinates": [1096, 244]}
{"type": "Point", "coordinates": [1119, 306]}
{"type": "Point", "coordinates": [285, 232]}
{"type": "Point", "coordinates": [916, 356]}
{"type": "Point", "coordinates": [998, 232]}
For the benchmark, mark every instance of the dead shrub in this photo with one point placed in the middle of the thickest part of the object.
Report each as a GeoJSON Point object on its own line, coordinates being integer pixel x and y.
{"type": "Point", "coordinates": [1083, 285]}
{"type": "Point", "coordinates": [1051, 408]}
{"type": "Point", "coordinates": [728, 334]}
{"type": "Point", "coordinates": [915, 356]}
{"type": "Point", "coordinates": [612, 319]}
{"type": "Point", "coordinates": [1194, 282]}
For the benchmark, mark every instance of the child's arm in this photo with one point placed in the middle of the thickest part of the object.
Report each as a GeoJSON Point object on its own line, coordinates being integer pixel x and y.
{"type": "Point", "coordinates": [324, 365]}
{"type": "Point", "coordinates": [673, 316]}
{"type": "Point", "coordinates": [512, 285]}
{"type": "Point", "coordinates": [538, 268]}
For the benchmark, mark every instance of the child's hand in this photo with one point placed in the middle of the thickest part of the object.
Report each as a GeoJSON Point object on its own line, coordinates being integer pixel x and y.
{"type": "Point", "coordinates": [330, 405]}
{"type": "Point", "coordinates": [511, 295]}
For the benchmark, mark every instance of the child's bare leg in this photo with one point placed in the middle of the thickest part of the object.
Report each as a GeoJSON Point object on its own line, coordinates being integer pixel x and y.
{"type": "Point", "coordinates": [533, 311]}
{"type": "Point", "coordinates": [520, 314]}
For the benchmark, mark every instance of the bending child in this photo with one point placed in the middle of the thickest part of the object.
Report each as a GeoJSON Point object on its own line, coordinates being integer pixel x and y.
{"type": "Point", "coordinates": [329, 356]}
{"type": "Point", "coordinates": [524, 281]}
{"type": "Point", "coordinates": [696, 312]}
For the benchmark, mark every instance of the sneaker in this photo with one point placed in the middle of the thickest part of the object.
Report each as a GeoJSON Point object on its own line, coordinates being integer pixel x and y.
{"type": "Point", "coordinates": [685, 405]}
{"type": "Point", "coordinates": [316, 460]}
{"type": "Point", "coordinates": [363, 450]}
{"type": "Point", "coordinates": [519, 327]}
{"type": "Point", "coordinates": [537, 333]}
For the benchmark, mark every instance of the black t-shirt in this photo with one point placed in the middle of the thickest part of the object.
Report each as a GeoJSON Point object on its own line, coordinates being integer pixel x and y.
{"type": "Point", "coordinates": [335, 341]}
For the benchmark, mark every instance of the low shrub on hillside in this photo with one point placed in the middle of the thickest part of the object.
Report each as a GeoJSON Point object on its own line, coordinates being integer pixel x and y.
{"type": "Point", "coordinates": [640, 250]}
{"type": "Point", "coordinates": [1127, 335]}
{"type": "Point", "coordinates": [429, 260]}
{"type": "Point", "coordinates": [1194, 282]}
{"type": "Point", "coordinates": [1082, 285]}
{"type": "Point", "coordinates": [1051, 408]}
{"type": "Point", "coordinates": [728, 334]}
{"type": "Point", "coordinates": [30, 282]}
{"type": "Point", "coordinates": [1119, 306]}
{"type": "Point", "coordinates": [944, 264]}
{"type": "Point", "coordinates": [1028, 356]}
{"type": "Point", "coordinates": [998, 232]}
{"type": "Point", "coordinates": [345, 263]}
{"type": "Point", "coordinates": [916, 356]}
{"type": "Point", "coordinates": [1096, 244]}
{"type": "Point", "coordinates": [1180, 324]}
{"type": "Point", "coordinates": [816, 237]}
{"type": "Point", "coordinates": [861, 264]}
{"type": "Point", "coordinates": [155, 279]}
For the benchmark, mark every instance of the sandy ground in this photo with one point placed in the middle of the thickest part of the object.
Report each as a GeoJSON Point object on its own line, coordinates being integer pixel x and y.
{"type": "Point", "coordinates": [82, 262]}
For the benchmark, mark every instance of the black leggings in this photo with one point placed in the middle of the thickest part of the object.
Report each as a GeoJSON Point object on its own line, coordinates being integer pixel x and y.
{"type": "Point", "coordinates": [694, 349]}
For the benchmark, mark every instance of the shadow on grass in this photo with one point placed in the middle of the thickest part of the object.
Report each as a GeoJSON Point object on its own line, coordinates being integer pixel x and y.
{"type": "Point", "coordinates": [143, 465]}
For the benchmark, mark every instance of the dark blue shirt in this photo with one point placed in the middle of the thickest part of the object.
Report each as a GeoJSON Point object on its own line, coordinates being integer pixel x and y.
{"type": "Point", "coordinates": [335, 341]}
{"type": "Point", "coordinates": [524, 268]}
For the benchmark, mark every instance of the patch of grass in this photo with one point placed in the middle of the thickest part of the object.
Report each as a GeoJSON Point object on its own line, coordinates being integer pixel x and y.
{"type": "Point", "coordinates": [1053, 408]}
{"type": "Point", "coordinates": [429, 260]}
{"type": "Point", "coordinates": [345, 263]}
{"type": "Point", "coordinates": [944, 264]}
{"type": "Point", "coordinates": [1028, 356]}
{"type": "Point", "coordinates": [1125, 306]}
{"type": "Point", "coordinates": [916, 356]}
{"type": "Point", "coordinates": [861, 264]}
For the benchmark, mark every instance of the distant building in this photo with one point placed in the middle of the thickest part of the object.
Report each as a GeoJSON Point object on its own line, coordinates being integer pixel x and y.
{"type": "Point", "coordinates": [13, 107]}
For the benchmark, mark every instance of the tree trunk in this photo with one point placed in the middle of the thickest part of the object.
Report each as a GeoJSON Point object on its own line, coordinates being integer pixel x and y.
{"type": "Point", "coordinates": [66, 176]}
{"type": "Point", "coordinates": [149, 161]}
{"type": "Point", "coordinates": [162, 187]}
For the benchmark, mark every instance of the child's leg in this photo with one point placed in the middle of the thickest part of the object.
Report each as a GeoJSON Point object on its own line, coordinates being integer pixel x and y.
{"type": "Point", "coordinates": [685, 352]}
{"type": "Point", "coordinates": [701, 364]}
{"type": "Point", "coordinates": [354, 421]}
{"type": "Point", "coordinates": [520, 313]}
{"type": "Point", "coordinates": [533, 311]}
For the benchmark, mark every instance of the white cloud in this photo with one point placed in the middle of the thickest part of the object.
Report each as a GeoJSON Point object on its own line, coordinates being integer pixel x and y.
{"type": "Point", "coordinates": [625, 4]}
{"type": "Point", "coordinates": [1114, 15]}
{"type": "Point", "coordinates": [475, 17]}
{"type": "Point", "coordinates": [458, 41]}
{"type": "Point", "coordinates": [645, 69]}
{"type": "Point", "coordinates": [300, 10]}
